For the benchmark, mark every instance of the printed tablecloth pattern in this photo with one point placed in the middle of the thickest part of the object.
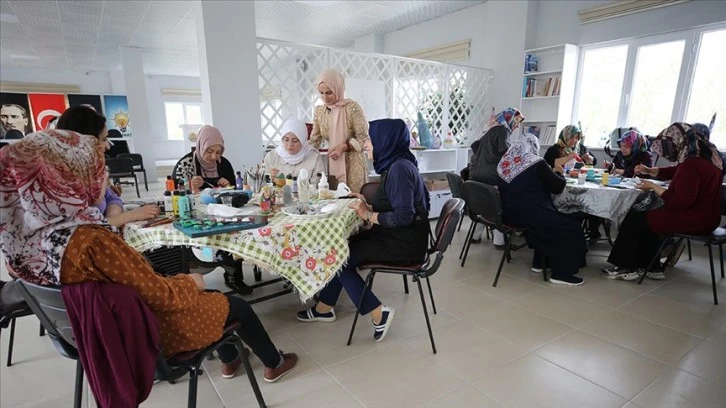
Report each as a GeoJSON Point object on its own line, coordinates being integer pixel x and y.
{"type": "Point", "coordinates": [306, 251]}
{"type": "Point", "coordinates": [609, 203]}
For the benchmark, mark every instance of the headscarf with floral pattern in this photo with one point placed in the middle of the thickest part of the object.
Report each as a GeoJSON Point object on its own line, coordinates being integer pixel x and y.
{"type": "Point", "coordinates": [522, 154]}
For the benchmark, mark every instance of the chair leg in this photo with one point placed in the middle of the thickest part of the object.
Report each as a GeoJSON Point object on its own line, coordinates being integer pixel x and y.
{"type": "Point", "coordinates": [405, 284]}
{"type": "Point", "coordinates": [467, 244]}
{"type": "Point", "coordinates": [146, 182]}
{"type": "Point", "coordinates": [257, 273]}
{"type": "Point", "coordinates": [461, 219]}
{"type": "Point", "coordinates": [720, 257]}
{"type": "Point", "coordinates": [368, 285]}
{"type": "Point", "coordinates": [426, 313]}
{"type": "Point", "coordinates": [688, 242]}
{"type": "Point", "coordinates": [193, 381]}
{"type": "Point", "coordinates": [251, 375]}
{"type": "Point", "coordinates": [713, 275]}
{"type": "Point", "coordinates": [656, 257]}
{"type": "Point", "coordinates": [136, 184]}
{"type": "Point", "coordinates": [214, 387]}
{"type": "Point", "coordinates": [78, 396]}
{"type": "Point", "coordinates": [41, 331]}
{"type": "Point", "coordinates": [468, 234]}
{"type": "Point", "coordinates": [10, 344]}
{"type": "Point", "coordinates": [431, 295]}
{"type": "Point", "coordinates": [504, 255]}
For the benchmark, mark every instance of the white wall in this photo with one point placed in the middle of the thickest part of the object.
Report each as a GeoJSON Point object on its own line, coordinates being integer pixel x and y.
{"type": "Point", "coordinates": [105, 82]}
{"type": "Point", "coordinates": [558, 22]}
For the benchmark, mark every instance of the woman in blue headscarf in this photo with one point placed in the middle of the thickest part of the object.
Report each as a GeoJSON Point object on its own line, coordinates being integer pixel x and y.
{"type": "Point", "coordinates": [396, 218]}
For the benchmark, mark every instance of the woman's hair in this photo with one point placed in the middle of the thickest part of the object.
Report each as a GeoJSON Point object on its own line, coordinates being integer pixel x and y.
{"type": "Point", "coordinates": [82, 119]}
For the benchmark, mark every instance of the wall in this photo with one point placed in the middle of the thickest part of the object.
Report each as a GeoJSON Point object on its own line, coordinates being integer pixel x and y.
{"type": "Point", "coordinates": [105, 82]}
{"type": "Point", "coordinates": [558, 22]}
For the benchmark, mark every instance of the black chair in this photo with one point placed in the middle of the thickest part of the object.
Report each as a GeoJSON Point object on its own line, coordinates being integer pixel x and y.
{"type": "Point", "coordinates": [117, 147]}
{"type": "Point", "coordinates": [455, 183]}
{"type": "Point", "coordinates": [445, 228]}
{"type": "Point", "coordinates": [138, 165]}
{"type": "Point", "coordinates": [486, 204]}
{"type": "Point", "coordinates": [122, 167]}
{"type": "Point", "coordinates": [717, 237]}
{"type": "Point", "coordinates": [47, 303]}
{"type": "Point", "coordinates": [12, 306]}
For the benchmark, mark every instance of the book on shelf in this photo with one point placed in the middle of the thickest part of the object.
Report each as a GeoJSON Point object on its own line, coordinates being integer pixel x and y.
{"type": "Point", "coordinates": [532, 87]}
{"type": "Point", "coordinates": [531, 63]}
{"type": "Point", "coordinates": [549, 136]}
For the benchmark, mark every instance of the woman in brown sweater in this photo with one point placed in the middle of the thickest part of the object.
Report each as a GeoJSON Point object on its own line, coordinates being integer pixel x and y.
{"type": "Point", "coordinates": [50, 234]}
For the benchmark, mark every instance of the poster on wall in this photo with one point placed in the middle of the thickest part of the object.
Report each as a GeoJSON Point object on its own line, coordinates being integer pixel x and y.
{"type": "Point", "coordinates": [46, 107]}
{"type": "Point", "coordinates": [370, 95]}
{"type": "Point", "coordinates": [14, 115]}
{"type": "Point", "coordinates": [117, 114]}
{"type": "Point", "coordinates": [93, 101]}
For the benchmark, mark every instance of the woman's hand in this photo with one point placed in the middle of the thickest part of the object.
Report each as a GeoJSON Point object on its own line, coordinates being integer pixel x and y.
{"type": "Point", "coordinates": [649, 185]}
{"type": "Point", "coordinates": [618, 172]}
{"type": "Point", "coordinates": [197, 182]}
{"type": "Point", "coordinates": [223, 182]}
{"type": "Point", "coordinates": [145, 212]}
{"type": "Point", "coordinates": [558, 169]}
{"type": "Point", "coordinates": [199, 280]}
{"type": "Point", "coordinates": [563, 160]}
{"type": "Point", "coordinates": [361, 208]}
{"type": "Point", "coordinates": [274, 172]}
{"type": "Point", "coordinates": [336, 152]}
{"type": "Point", "coordinates": [588, 158]}
{"type": "Point", "coordinates": [362, 198]}
{"type": "Point", "coordinates": [650, 171]}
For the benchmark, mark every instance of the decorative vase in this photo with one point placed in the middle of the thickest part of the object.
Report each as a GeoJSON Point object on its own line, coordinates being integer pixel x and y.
{"type": "Point", "coordinates": [449, 142]}
{"type": "Point", "coordinates": [424, 132]}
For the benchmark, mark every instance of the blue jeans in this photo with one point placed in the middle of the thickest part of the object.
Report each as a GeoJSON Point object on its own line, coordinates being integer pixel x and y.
{"type": "Point", "coordinates": [353, 283]}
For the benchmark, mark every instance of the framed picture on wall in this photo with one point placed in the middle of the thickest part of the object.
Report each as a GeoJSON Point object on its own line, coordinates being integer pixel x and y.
{"type": "Point", "coordinates": [93, 101]}
{"type": "Point", "coordinates": [45, 108]}
{"type": "Point", "coordinates": [117, 114]}
{"type": "Point", "coordinates": [14, 115]}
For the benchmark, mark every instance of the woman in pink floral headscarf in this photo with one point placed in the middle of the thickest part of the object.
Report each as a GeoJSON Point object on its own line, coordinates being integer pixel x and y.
{"type": "Point", "coordinates": [342, 123]}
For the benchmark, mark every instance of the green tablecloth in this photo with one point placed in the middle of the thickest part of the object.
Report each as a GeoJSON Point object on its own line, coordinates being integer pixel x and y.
{"type": "Point", "coordinates": [307, 251]}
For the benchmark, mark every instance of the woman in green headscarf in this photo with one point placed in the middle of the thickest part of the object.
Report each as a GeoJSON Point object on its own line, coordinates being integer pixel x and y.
{"type": "Point", "coordinates": [569, 146]}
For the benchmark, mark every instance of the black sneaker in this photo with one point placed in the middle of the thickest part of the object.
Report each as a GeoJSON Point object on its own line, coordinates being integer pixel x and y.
{"type": "Point", "coordinates": [568, 280]}
{"type": "Point", "coordinates": [381, 329]}
{"type": "Point", "coordinates": [312, 315]}
{"type": "Point", "coordinates": [233, 280]}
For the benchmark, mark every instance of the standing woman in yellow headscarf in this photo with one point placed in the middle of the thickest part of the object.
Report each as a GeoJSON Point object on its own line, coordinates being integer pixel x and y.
{"type": "Point", "coordinates": [343, 124]}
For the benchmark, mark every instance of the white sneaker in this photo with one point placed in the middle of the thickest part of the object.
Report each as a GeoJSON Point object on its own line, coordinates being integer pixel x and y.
{"type": "Point", "coordinates": [655, 275]}
{"type": "Point", "coordinates": [537, 270]}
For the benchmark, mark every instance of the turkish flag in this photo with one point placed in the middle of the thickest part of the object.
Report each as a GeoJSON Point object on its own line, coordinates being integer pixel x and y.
{"type": "Point", "coordinates": [45, 107]}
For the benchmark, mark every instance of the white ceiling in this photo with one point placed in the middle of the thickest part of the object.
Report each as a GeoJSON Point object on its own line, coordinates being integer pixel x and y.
{"type": "Point", "coordinates": [87, 34]}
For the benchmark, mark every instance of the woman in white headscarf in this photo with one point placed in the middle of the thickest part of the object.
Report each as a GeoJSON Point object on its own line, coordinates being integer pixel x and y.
{"type": "Point", "coordinates": [294, 153]}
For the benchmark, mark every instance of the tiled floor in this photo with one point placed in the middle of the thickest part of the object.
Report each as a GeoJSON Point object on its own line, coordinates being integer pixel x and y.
{"type": "Point", "coordinates": [523, 344]}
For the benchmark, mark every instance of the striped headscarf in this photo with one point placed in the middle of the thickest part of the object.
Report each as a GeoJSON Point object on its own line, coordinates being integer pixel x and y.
{"type": "Point", "coordinates": [680, 141]}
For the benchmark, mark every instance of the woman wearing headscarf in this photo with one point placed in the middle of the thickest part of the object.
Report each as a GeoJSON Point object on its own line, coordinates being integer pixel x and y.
{"type": "Point", "coordinates": [342, 123]}
{"type": "Point", "coordinates": [705, 132]}
{"type": "Point", "coordinates": [397, 218]}
{"type": "Point", "coordinates": [487, 151]}
{"type": "Point", "coordinates": [633, 152]}
{"type": "Point", "coordinates": [526, 186]}
{"type": "Point", "coordinates": [293, 153]}
{"type": "Point", "coordinates": [86, 121]}
{"type": "Point", "coordinates": [692, 201]}
{"type": "Point", "coordinates": [51, 234]}
{"type": "Point", "coordinates": [569, 146]}
{"type": "Point", "coordinates": [205, 166]}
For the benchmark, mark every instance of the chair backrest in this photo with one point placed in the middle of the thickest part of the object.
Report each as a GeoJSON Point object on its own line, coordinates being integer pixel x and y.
{"type": "Point", "coordinates": [120, 165]}
{"type": "Point", "coordinates": [484, 202]}
{"type": "Point", "coordinates": [455, 183]}
{"type": "Point", "coordinates": [723, 199]}
{"type": "Point", "coordinates": [447, 223]}
{"type": "Point", "coordinates": [369, 190]}
{"type": "Point", "coordinates": [47, 304]}
{"type": "Point", "coordinates": [117, 147]}
{"type": "Point", "coordinates": [136, 158]}
{"type": "Point", "coordinates": [608, 151]}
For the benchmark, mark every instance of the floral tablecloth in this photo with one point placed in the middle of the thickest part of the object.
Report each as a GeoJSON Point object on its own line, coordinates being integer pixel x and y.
{"type": "Point", "coordinates": [604, 202]}
{"type": "Point", "coordinates": [307, 251]}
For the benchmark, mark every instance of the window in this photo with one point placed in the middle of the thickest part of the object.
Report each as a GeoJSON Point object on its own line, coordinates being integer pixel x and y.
{"type": "Point", "coordinates": [181, 113]}
{"type": "Point", "coordinates": [651, 82]}
{"type": "Point", "coordinates": [709, 86]}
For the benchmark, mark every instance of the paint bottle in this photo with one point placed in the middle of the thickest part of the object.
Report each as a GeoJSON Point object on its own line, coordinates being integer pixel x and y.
{"type": "Point", "coordinates": [183, 205]}
{"type": "Point", "coordinates": [605, 178]}
{"type": "Point", "coordinates": [175, 203]}
{"type": "Point", "coordinates": [170, 184]}
{"type": "Point", "coordinates": [323, 187]}
{"type": "Point", "coordinates": [238, 182]}
{"type": "Point", "coordinates": [168, 205]}
{"type": "Point", "coordinates": [192, 204]}
{"type": "Point", "coordinates": [294, 185]}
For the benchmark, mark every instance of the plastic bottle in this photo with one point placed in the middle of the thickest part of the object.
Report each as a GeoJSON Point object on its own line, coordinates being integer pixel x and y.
{"type": "Point", "coordinates": [170, 186]}
{"type": "Point", "coordinates": [288, 180]}
{"type": "Point", "coordinates": [175, 202]}
{"type": "Point", "coordinates": [192, 204]}
{"type": "Point", "coordinates": [238, 182]}
{"type": "Point", "coordinates": [605, 178]}
{"type": "Point", "coordinates": [294, 185]}
{"type": "Point", "coordinates": [323, 187]}
{"type": "Point", "coordinates": [183, 205]}
{"type": "Point", "coordinates": [168, 205]}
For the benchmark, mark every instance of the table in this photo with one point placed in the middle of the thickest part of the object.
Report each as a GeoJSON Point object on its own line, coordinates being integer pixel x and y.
{"type": "Point", "coordinates": [605, 202]}
{"type": "Point", "coordinates": [307, 251]}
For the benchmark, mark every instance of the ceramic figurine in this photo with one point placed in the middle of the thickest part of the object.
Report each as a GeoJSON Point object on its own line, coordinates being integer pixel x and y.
{"type": "Point", "coordinates": [414, 139]}
{"type": "Point", "coordinates": [424, 132]}
{"type": "Point", "coordinates": [266, 200]}
{"type": "Point", "coordinates": [437, 143]}
{"type": "Point", "coordinates": [449, 142]}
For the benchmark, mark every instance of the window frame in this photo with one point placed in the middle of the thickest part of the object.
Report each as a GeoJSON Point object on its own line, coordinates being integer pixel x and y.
{"type": "Point", "coordinates": [184, 100]}
{"type": "Point", "coordinates": [686, 76]}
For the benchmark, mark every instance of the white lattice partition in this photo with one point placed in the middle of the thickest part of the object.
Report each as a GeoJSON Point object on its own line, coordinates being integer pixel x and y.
{"type": "Point", "coordinates": [468, 94]}
{"type": "Point", "coordinates": [366, 74]}
{"type": "Point", "coordinates": [286, 77]}
{"type": "Point", "coordinates": [419, 87]}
